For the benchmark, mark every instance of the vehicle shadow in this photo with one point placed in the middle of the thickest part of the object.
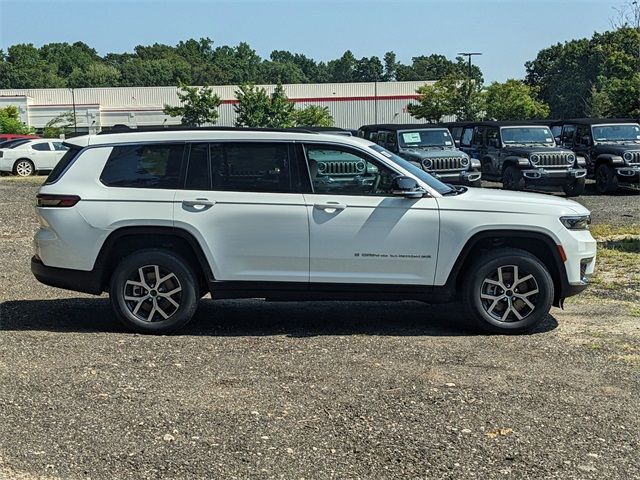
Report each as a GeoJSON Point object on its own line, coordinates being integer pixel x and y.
{"type": "Point", "coordinates": [255, 317]}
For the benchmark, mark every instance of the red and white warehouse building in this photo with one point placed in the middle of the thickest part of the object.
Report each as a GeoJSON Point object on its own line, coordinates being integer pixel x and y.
{"type": "Point", "coordinates": [351, 104]}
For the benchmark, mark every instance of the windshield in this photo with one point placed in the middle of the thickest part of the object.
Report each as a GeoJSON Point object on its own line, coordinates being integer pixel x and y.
{"type": "Point", "coordinates": [437, 185]}
{"type": "Point", "coordinates": [435, 137]}
{"type": "Point", "coordinates": [615, 133]}
{"type": "Point", "coordinates": [540, 135]}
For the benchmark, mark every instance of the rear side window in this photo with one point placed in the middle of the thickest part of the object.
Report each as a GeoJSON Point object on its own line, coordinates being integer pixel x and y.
{"type": "Point", "coordinates": [467, 134]}
{"type": "Point", "coordinates": [43, 147]}
{"type": "Point", "coordinates": [62, 165]}
{"type": "Point", "coordinates": [144, 166]}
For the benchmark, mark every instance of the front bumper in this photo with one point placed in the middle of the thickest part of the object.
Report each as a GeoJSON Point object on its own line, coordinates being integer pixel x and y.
{"type": "Point", "coordinates": [630, 174]}
{"type": "Point", "coordinates": [464, 178]}
{"type": "Point", "coordinates": [556, 176]}
{"type": "Point", "coordinates": [76, 280]}
{"type": "Point", "coordinates": [580, 250]}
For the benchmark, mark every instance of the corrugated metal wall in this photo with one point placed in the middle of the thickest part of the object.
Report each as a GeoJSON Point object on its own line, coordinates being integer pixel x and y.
{"type": "Point", "coordinates": [351, 104]}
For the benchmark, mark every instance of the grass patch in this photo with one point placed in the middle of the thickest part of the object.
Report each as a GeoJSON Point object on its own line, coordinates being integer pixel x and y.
{"type": "Point", "coordinates": [35, 180]}
{"type": "Point", "coordinates": [605, 232]}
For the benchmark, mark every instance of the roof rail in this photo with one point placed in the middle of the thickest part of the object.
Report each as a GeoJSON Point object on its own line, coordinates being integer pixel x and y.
{"type": "Point", "coordinates": [126, 129]}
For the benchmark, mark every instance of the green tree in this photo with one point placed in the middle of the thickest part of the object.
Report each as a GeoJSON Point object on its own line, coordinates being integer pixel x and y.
{"type": "Point", "coordinates": [10, 121]}
{"type": "Point", "coordinates": [255, 108]}
{"type": "Point", "coordinates": [514, 100]}
{"type": "Point", "coordinates": [95, 75]}
{"type": "Point", "coordinates": [199, 105]}
{"type": "Point", "coordinates": [450, 96]}
{"type": "Point", "coordinates": [61, 124]}
{"type": "Point", "coordinates": [343, 68]}
{"type": "Point", "coordinates": [619, 97]}
{"type": "Point", "coordinates": [390, 67]}
{"type": "Point", "coordinates": [436, 67]}
{"type": "Point", "coordinates": [313, 116]}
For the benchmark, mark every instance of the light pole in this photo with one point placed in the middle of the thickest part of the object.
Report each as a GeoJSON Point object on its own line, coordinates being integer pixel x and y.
{"type": "Point", "coordinates": [73, 101]}
{"type": "Point", "coordinates": [469, 55]}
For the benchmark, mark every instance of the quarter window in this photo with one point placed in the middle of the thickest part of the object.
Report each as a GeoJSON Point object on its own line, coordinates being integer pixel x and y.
{"type": "Point", "coordinates": [144, 166]}
{"type": "Point", "coordinates": [567, 134]}
{"type": "Point", "coordinates": [41, 147]}
{"type": "Point", "coordinates": [467, 135]}
{"type": "Point", "coordinates": [346, 172]}
{"type": "Point", "coordinates": [59, 146]}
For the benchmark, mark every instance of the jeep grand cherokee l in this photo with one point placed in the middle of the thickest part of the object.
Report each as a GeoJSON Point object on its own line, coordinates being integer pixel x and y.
{"type": "Point", "coordinates": [159, 219]}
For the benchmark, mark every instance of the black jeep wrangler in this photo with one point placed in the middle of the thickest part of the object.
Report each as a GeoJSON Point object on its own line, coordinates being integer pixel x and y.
{"type": "Point", "coordinates": [522, 154]}
{"type": "Point", "coordinates": [611, 148]}
{"type": "Point", "coordinates": [428, 146]}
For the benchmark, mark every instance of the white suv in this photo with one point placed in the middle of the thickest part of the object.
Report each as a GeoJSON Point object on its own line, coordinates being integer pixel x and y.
{"type": "Point", "coordinates": [159, 219]}
{"type": "Point", "coordinates": [25, 158]}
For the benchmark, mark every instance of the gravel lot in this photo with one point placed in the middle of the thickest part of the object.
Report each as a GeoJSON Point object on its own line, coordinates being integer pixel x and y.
{"type": "Point", "coordinates": [253, 389]}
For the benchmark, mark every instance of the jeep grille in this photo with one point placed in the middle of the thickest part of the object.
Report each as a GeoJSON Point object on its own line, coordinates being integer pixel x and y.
{"type": "Point", "coordinates": [553, 159]}
{"type": "Point", "coordinates": [341, 168]}
{"type": "Point", "coordinates": [443, 163]}
{"type": "Point", "coordinates": [635, 157]}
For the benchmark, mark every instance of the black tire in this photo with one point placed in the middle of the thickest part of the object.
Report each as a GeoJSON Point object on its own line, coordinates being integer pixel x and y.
{"type": "Point", "coordinates": [483, 312]}
{"type": "Point", "coordinates": [575, 187]}
{"type": "Point", "coordinates": [606, 179]}
{"type": "Point", "coordinates": [154, 296]}
{"type": "Point", "coordinates": [24, 168]}
{"type": "Point", "coordinates": [512, 178]}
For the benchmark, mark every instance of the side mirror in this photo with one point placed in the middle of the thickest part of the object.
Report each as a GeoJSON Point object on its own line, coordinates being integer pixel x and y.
{"type": "Point", "coordinates": [407, 187]}
{"type": "Point", "coordinates": [586, 140]}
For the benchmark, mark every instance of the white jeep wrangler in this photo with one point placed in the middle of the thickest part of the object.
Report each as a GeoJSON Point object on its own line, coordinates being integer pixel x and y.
{"type": "Point", "coordinates": [159, 219]}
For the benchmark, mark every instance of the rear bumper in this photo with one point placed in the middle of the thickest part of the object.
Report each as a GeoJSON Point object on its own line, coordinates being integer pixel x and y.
{"type": "Point", "coordinates": [76, 280]}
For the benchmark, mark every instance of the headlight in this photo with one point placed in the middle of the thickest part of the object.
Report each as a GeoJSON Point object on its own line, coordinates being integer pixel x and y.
{"type": "Point", "coordinates": [576, 222]}
{"type": "Point", "coordinates": [426, 163]}
{"type": "Point", "coordinates": [360, 166]}
{"type": "Point", "coordinates": [628, 156]}
{"type": "Point", "coordinates": [571, 158]}
{"type": "Point", "coordinates": [322, 167]}
{"type": "Point", "coordinates": [534, 159]}
{"type": "Point", "coordinates": [464, 162]}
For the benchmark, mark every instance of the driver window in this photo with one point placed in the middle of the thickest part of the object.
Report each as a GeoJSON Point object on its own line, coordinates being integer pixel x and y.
{"type": "Point", "coordinates": [342, 171]}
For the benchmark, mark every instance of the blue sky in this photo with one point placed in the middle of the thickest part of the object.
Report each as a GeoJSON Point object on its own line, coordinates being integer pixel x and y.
{"type": "Point", "coordinates": [508, 32]}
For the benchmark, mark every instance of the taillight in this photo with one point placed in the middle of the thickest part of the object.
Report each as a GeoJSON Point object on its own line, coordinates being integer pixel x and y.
{"type": "Point", "coordinates": [44, 200]}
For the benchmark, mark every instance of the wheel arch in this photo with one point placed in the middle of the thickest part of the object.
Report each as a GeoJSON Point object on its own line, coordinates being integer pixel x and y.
{"type": "Point", "coordinates": [126, 240]}
{"type": "Point", "coordinates": [540, 245]}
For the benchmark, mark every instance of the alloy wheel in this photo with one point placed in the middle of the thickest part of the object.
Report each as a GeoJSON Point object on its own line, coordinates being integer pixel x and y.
{"type": "Point", "coordinates": [509, 294]}
{"type": "Point", "coordinates": [152, 293]}
{"type": "Point", "coordinates": [24, 169]}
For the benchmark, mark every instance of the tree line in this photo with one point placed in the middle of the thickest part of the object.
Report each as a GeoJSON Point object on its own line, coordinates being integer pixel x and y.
{"type": "Point", "coordinates": [198, 62]}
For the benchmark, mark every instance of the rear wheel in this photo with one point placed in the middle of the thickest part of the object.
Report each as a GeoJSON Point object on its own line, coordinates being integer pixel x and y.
{"type": "Point", "coordinates": [574, 188]}
{"type": "Point", "coordinates": [606, 179]}
{"type": "Point", "coordinates": [508, 291]}
{"type": "Point", "coordinates": [154, 291]}
{"type": "Point", "coordinates": [512, 178]}
{"type": "Point", "coordinates": [24, 168]}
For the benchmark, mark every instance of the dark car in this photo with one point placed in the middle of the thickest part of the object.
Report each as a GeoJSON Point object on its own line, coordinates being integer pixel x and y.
{"type": "Point", "coordinates": [523, 154]}
{"type": "Point", "coordinates": [611, 148]}
{"type": "Point", "coordinates": [429, 146]}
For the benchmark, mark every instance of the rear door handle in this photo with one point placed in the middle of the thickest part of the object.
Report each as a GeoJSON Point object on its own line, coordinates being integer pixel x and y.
{"type": "Point", "coordinates": [330, 206]}
{"type": "Point", "coordinates": [199, 202]}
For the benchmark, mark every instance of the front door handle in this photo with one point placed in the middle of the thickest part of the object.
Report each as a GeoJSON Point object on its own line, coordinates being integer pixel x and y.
{"type": "Point", "coordinates": [199, 202]}
{"type": "Point", "coordinates": [330, 207]}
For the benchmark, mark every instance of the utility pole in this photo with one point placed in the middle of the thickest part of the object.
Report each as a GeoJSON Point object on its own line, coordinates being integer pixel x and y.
{"type": "Point", "coordinates": [469, 55]}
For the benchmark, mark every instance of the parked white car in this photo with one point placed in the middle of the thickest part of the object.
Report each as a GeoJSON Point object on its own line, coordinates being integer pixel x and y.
{"type": "Point", "coordinates": [159, 219]}
{"type": "Point", "coordinates": [32, 156]}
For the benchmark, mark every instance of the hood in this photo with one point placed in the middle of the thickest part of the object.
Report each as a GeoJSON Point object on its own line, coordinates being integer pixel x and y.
{"type": "Point", "coordinates": [526, 151]}
{"type": "Point", "coordinates": [421, 153]}
{"type": "Point", "coordinates": [490, 200]}
{"type": "Point", "coordinates": [617, 149]}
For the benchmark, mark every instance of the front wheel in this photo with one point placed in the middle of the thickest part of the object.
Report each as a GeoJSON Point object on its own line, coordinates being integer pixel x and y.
{"type": "Point", "coordinates": [574, 188]}
{"type": "Point", "coordinates": [508, 291]}
{"type": "Point", "coordinates": [512, 178]}
{"type": "Point", "coordinates": [154, 291]}
{"type": "Point", "coordinates": [606, 179]}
